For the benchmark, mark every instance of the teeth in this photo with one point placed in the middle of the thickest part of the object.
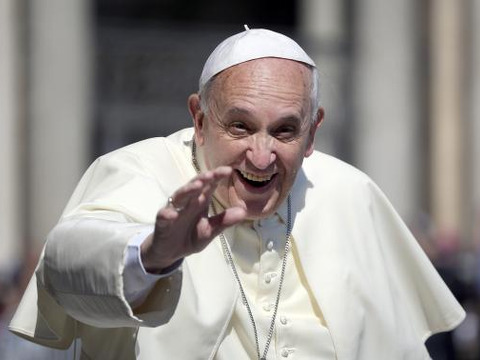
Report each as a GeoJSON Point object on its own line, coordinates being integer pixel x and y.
{"type": "Point", "coordinates": [253, 177]}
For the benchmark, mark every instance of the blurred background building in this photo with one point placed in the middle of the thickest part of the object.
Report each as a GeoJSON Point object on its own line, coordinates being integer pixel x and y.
{"type": "Point", "coordinates": [400, 84]}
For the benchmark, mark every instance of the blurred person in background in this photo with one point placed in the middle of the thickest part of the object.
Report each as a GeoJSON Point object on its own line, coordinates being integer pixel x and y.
{"type": "Point", "coordinates": [235, 239]}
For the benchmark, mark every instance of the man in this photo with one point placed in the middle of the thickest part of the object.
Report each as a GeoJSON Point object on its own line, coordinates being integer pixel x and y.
{"type": "Point", "coordinates": [268, 250]}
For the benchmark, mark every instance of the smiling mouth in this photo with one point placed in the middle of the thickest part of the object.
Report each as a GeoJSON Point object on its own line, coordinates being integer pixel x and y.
{"type": "Point", "coordinates": [255, 180]}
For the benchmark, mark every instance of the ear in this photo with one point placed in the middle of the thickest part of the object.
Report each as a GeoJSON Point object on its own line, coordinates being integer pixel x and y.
{"type": "Point", "coordinates": [313, 129]}
{"type": "Point", "coordinates": [198, 118]}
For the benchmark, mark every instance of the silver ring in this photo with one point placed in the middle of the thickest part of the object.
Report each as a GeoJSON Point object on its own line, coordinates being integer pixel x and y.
{"type": "Point", "coordinates": [170, 203]}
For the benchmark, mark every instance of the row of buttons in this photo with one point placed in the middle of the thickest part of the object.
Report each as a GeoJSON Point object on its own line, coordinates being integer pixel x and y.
{"type": "Point", "coordinates": [268, 277]}
{"type": "Point", "coordinates": [269, 306]}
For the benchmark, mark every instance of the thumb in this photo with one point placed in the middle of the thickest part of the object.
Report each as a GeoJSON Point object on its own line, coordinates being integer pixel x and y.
{"type": "Point", "coordinates": [229, 217]}
{"type": "Point", "coordinates": [208, 228]}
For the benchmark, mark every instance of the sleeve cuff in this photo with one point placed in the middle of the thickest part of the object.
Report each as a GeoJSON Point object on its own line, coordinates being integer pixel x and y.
{"type": "Point", "coordinates": [137, 282]}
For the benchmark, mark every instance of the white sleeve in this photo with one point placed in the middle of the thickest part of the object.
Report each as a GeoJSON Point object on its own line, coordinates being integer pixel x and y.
{"type": "Point", "coordinates": [137, 281]}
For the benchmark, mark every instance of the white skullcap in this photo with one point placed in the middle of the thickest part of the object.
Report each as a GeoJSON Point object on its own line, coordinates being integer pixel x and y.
{"type": "Point", "coordinates": [249, 45]}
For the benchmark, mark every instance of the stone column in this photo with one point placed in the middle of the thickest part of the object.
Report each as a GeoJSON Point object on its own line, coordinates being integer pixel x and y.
{"type": "Point", "coordinates": [447, 117]}
{"type": "Point", "coordinates": [61, 50]}
{"type": "Point", "coordinates": [386, 107]}
{"type": "Point", "coordinates": [324, 34]}
{"type": "Point", "coordinates": [475, 118]}
{"type": "Point", "coordinates": [11, 234]}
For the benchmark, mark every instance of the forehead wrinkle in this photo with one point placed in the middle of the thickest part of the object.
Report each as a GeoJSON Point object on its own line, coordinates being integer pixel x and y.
{"type": "Point", "coordinates": [271, 84]}
{"type": "Point", "coordinates": [250, 107]}
{"type": "Point", "coordinates": [264, 80]}
{"type": "Point", "coordinates": [251, 92]}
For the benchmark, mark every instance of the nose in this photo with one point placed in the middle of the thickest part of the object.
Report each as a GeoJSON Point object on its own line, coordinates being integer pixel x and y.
{"type": "Point", "coordinates": [261, 152]}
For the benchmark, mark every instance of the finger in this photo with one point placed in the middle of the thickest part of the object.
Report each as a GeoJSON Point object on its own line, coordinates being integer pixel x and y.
{"type": "Point", "coordinates": [217, 223]}
{"type": "Point", "coordinates": [209, 228]}
{"type": "Point", "coordinates": [165, 217]}
{"type": "Point", "coordinates": [210, 179]}
{"type": "Point", "coordinates": [194, 201]}
{"type": "Point", "coordinates": [229, 217]}
{"type": "Point", "coordinates": [215, 175]}
{"type": "Point", "coordinates": [222, 171]}
{"type": "Point", "coordinates": [204, 183]}
{"type": "Point", "coordinates": [211, 184]}
{"type": "Point", "coordinates": [183, 195]}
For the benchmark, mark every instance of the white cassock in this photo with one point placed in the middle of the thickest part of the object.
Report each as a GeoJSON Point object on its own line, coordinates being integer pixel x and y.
{"type": "Point", "coordinates": [357, 280]}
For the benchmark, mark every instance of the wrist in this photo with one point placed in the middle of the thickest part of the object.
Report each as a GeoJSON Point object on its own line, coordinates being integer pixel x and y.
{"type": "Point", "coordinates": [153, 262]}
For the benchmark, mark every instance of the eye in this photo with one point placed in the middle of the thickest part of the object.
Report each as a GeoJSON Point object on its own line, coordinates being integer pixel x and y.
{"type": "Point", "coordinates": [286, 132]}
{"type": "Point", "coordinates": [238, 128]}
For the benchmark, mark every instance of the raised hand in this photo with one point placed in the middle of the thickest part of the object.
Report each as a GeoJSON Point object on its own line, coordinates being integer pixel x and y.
{"type": "Point", "coordinates": [183, 226]}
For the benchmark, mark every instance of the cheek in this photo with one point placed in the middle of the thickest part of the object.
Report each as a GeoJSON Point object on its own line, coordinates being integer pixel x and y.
{"type": "Point", "coordinates": [292, 164]}
{"type": "Point", "coordinates": [226, 152]}
{"type": "Point", "coordinates": [292, 157]}
{"type": "Point", "coordinates": [213, 152]}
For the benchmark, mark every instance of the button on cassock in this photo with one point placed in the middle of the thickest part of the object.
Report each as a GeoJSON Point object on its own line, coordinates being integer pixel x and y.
{"type": "Point", "coordinates": [267, 307]}
{"type": "Point", "coordinates": [268, 277]}
{"type": "Point", "coordinates": [270, 245]}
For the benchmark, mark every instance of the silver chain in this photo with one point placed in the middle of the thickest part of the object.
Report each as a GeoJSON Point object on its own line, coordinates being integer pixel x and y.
{"type": "Point", "coordinates": [228, 253]}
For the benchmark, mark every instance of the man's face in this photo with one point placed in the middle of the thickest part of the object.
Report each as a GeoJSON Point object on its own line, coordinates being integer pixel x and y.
{"type": "Point", "coordinates": [259, 123]}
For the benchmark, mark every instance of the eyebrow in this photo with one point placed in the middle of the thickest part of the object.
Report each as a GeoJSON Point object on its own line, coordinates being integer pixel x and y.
{"type": "Point", "coordinates": [238, 111]}
{"type": "Point", "coordinates": [242, 111]}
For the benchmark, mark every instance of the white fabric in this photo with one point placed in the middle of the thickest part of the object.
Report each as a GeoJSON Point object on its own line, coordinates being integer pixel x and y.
{"type": "Point", "coordinates": [257, 248]}
{"type": "Point", "coordinates": [249, 45]}
{"type": "Point", "coordinates": [137, 281]}
{"type": "Point", "coordinates": [379, 295]}
{"type": "Point", "coordinates": [300, 331]}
